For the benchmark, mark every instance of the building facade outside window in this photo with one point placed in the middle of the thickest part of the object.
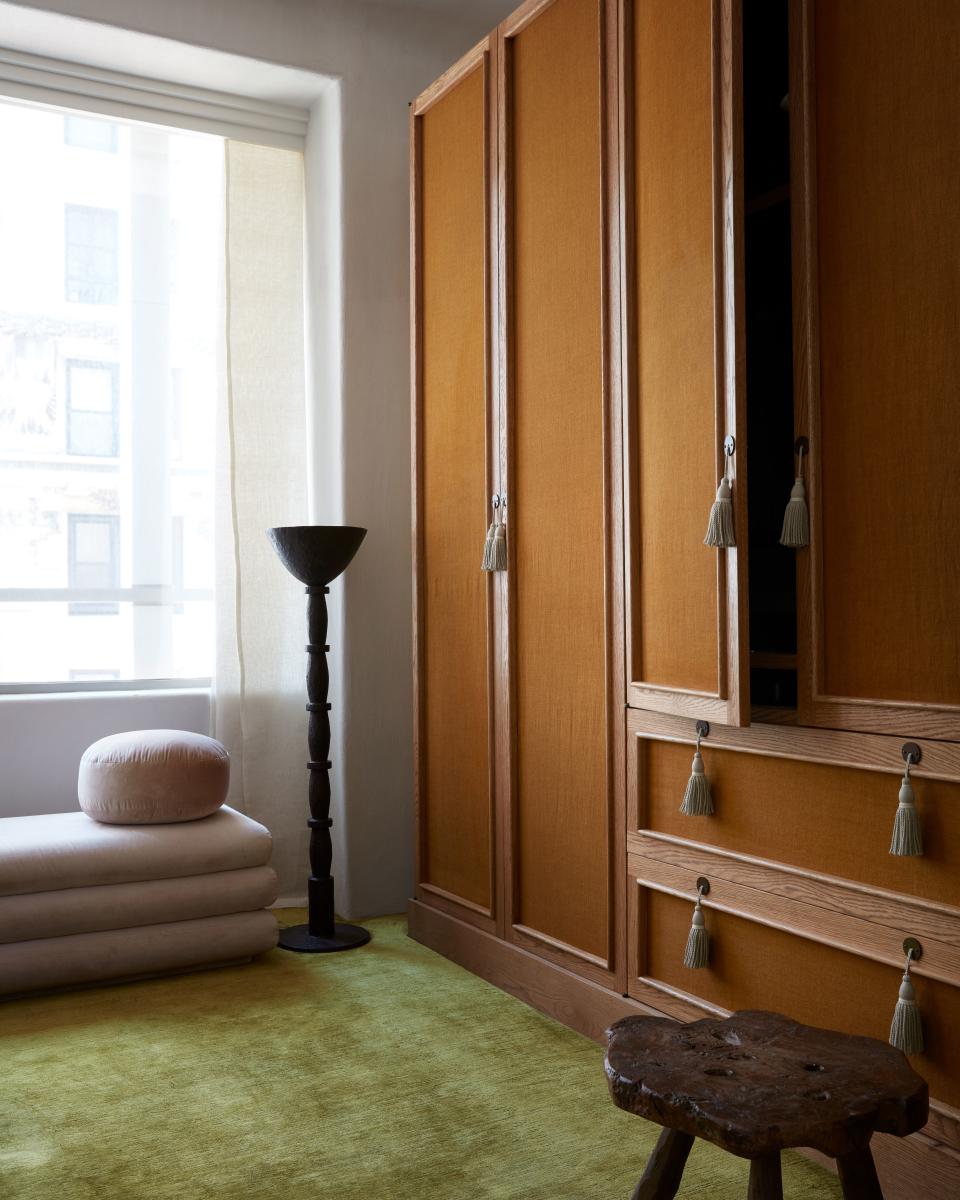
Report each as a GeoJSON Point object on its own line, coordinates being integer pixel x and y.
{"type": "Point", "coordinates": [111, 328]}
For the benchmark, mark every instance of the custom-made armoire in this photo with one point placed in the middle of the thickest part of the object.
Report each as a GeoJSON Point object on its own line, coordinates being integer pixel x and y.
{"type": "Point", "coordinates": [642, 228]}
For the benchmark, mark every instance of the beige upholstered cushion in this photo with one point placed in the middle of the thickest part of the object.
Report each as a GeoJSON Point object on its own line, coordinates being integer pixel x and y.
{"type": "Point", "coordinates": [153, 776]}
{"type": "Point", "coordinates": [69, 850]}
{"type": "Point", "coordinates": [57, 914]}
{"type": "Point", "coordinates": [115, 954]}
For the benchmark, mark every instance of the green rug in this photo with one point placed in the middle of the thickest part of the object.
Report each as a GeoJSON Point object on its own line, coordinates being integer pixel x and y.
{"type": "Point", "coordinates": [385, 1072]}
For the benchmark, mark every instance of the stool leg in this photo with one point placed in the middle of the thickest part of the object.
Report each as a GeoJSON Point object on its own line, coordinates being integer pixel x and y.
{"type": "Point", "coordinates": [858, 1176]}
{"type": "Point", "coordinates": [664, 1171]}
{"type": "Point", "coordinates": [766, 1182]}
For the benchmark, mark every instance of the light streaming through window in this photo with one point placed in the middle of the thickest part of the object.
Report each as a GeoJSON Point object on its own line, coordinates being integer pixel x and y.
{"type": "Point", "coordinates": [111, 255]}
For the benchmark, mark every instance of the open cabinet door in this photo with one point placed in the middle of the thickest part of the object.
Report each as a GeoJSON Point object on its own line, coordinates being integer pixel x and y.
{"type": "Point", "coordinates": [876, 185]}
{"type": "Point", "coordinates": [683, 356]}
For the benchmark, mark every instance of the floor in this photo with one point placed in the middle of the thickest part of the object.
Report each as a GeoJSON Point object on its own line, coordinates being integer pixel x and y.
{"type": "Point", "coordinates": [384, 1072]}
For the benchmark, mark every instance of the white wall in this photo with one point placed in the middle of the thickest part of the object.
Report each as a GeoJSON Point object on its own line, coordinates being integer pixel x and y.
{"type": "Point", "coordinates": [382, 54]}
{"type": "Point", "coordinates": [42, 738]}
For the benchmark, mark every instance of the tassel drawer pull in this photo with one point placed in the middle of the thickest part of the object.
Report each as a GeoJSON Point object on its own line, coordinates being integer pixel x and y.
{"type": "Point", "coordinates": [697, 952]}
{"type": "Point", "coordinates": [720, 530]}
{"type": "Point", "coordinates": [907, 838]}
{"type": "Point", "coordinates": [488, 544]}
{"type": "Point", "coordinates": [906, 1029]}
{"type": "Point", "coordinates": [796, 517]}
{"type": "Point", "coordinates": [498, 552]}
{"type": "Point", "coordinates": [697, 799]}
{"type": "Point", "coordinates": [495, 547]}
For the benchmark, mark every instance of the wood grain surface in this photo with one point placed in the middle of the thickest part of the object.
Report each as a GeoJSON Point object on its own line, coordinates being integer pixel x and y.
{"type": "Point", "coordinates": [872, 926]}
{"type": "Point", "coordinates": [556, 503]}
{"type": "Point", "coordinates": [756, 966]}
{"type": "Point", "coordinates": [879, 358]}
{"type": "Point", "coordinates": [756, 1083]}
{"type": "Point", "coordinates": [675, 580]}
{"type": "Point", "coordinates": [832, 820]}
{"type": "Point", "coordinates": [455, 782]}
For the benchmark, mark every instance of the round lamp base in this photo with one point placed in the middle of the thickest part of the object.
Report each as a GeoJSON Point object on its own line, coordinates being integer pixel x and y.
{"type": "Point", "coordinates": [299, 937]}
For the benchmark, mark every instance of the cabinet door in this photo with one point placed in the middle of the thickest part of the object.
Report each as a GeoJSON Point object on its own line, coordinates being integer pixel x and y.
{"type": "Point", "coordinates": [687, 645]}
{"type": "Point", "coordinates": [561, 416]}
{"type": "Point", "coordinates": [876, 167]}
{"type": "Point", "coordinates": [453, 480]}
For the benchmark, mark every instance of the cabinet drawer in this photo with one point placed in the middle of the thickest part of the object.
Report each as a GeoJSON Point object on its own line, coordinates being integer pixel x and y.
{"type": "Point", "coordinates": [813, 815]}
{"type": "Point", "coordinates": [756, 966]}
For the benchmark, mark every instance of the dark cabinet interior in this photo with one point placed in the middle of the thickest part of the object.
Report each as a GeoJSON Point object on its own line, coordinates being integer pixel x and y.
{"type": "Point", "coordinates": [769, 352]}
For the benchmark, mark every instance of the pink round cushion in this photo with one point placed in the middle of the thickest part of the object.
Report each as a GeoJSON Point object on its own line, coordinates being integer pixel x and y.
{"type": "Point", "coordinates": [152, 777]}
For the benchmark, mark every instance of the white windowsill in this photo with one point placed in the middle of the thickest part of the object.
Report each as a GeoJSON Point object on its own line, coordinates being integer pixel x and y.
{"type": "Point", "coordinates": [118, 688]}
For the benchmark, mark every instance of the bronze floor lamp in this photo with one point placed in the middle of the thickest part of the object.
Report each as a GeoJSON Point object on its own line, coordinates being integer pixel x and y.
{"type": "Point", "coordinates": [316, 555]}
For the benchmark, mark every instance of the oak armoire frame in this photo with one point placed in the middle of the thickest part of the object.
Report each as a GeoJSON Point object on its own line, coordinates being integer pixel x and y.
{"type": "Point", "coordinates": [801, 882]}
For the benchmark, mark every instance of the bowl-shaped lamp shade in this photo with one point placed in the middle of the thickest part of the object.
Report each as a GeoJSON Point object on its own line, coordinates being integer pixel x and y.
{"type": "Point", "coordinates": [316, 554]}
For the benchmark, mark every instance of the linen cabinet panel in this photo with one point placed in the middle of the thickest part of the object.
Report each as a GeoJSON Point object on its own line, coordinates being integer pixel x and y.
{"type": "Point", "coordinates": [686, 603]}
{"type": "Point", "coordinates": [816, 816]}
{"type": "Point", "coordinates": [552, 192]}
{"type": "Point", "coordinates": [755, 965]}
{"type": "Point", "coordinates": [877, 290]}
{"type": "Point", "coordinates": [453, 483]}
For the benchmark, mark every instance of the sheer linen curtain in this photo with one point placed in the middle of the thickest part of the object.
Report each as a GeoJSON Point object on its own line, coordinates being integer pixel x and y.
{"type": "Point", "coordinates": [259, 689]}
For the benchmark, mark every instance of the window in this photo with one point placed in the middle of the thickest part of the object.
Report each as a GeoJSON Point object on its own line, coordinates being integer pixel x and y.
{"type": "Point", "coordinates": [91, 408]}
{"type": "Point", "coordinates": [93, 547]}
{"type": "Point", "coordinates": [108, 387]}
{"type": "Point", "coordinates": [91, 255]}
{"type": "Point", "coordinates": [88, 133]}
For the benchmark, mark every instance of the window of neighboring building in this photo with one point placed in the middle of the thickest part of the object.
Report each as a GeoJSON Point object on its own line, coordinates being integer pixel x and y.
{"type": "Point", "coordinates": [92, 408]}
{"type": "Point", "coordinates": [93, 546]}
{"type": "Point", "coordinates": [91, 266]}
{"type": "Point", "coordinates": [89, 133]}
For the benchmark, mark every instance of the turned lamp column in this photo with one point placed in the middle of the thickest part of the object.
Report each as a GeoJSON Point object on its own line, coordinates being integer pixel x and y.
{"type": "Point", "coordinates": [316, 555]}
{"type": "Point", "coordinates": [320, 884]}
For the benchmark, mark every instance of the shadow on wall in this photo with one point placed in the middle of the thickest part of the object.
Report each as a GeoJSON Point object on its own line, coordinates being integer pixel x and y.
{"type": "Point", "coordinates": [42, 738]}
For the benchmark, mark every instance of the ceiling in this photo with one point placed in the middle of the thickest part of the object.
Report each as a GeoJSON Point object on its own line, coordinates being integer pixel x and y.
{"type": "Point", "coordinates": [493, 10]}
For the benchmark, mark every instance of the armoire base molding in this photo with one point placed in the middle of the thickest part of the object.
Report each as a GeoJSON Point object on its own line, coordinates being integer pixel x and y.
{"type": "Point", "coordinates": [577, 1003]}
{"type": "Point", "coordinates": [909, 1168]}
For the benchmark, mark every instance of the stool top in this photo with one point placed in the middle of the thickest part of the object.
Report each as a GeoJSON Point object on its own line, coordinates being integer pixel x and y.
{"type": "Point", "coordinates": [758, 1082]}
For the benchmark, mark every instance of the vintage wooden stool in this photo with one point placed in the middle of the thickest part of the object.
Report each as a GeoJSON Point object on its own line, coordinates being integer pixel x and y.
{"type": "Point", "coordinates": [758, 1083]}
